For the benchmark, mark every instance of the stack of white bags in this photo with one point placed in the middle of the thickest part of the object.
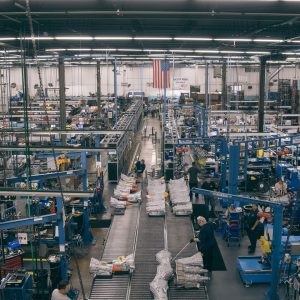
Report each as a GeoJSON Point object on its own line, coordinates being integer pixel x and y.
{"type": "Point", "coordinates": [190, 272]}
{"type": "Point", "coordinates": [159, 285]}
{"type": "Point", "coordinates": [156, 205]}
{"type": "Point", "coordinates": [179, 196]}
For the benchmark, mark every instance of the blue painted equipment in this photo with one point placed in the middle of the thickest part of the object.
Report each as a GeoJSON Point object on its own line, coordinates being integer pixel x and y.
{"type": "Point", "coordinates": [16, 286]}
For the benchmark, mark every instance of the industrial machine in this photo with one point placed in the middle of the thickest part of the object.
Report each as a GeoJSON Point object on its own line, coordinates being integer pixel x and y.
{"type": "Point", "coordinates": [16, 286]}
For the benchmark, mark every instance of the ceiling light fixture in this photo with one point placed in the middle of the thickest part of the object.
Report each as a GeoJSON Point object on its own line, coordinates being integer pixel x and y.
{"type": "Point", "coordinates": [258, 52]}
{"type": "Point", "coordinates": [231, 52]}
{"type": "Point", "coordinates": [233, 39]}
{"type": "Point", "coordinates": [131, 50]}
{"type": "Point", "coordinates": [112, 38]}
{"type": "Point", "coordinates": [46, 38]}
{"type": "Point", "coordinates": [55, 49]}
{"type": "Point", "coordinates": [182, 50]}
{"type": "Point", "coordinates": [75, 38]}
{"type": "Point", "coordinates": [152, 38]}
{"type": "Point", "coordinates": [207, 51]}
{"type": "Point", "coordinates": [268, 41]}
{"type": "Point", "coordinates": [193, 39]}
{"type": "Point", "coordinates": [79, 49]}
{"type": "Point", "coordinates": [104, 49]}
{"type": "Point", "coordinates": [7, 39]}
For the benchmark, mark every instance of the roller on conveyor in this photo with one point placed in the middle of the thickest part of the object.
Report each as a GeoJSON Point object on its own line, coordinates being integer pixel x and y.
{"type": "Point", "coordinates": [150, 241]}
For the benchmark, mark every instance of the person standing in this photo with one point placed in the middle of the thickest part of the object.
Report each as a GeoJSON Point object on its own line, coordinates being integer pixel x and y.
{"type": "Point", "coordinates": [193, 172]}
{"type": "Point", "coordinates": [208, 184]}
{"type": "Point", "coordinates": [140, 167]}
{"type": "Point", "coordinates": [61, 292]}
{"type": "Point", "coordinates": [255, 228]}
{"type": "Point", "coordinates": [281, 187]}
{"type": "Point", "coordinates": [206, 243]}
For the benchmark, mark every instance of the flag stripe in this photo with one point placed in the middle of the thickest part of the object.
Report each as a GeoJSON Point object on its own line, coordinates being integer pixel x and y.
{"type": "Point", "coordinates": [158, 74]}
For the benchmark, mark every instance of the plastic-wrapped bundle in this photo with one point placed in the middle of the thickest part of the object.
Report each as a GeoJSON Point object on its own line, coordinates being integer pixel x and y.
{"type": "Point", "coordinates": [193, 270]}
{"type": "Point", "coordinates": [163, 255]}
{"type": "Point", "coordinates": [123, 264]}
{"type": "Point", "coordinates": [128, 178]}
{"type": "Point", "coordinates": [117, 203]}
{"type": "Point", "coordinates": [156, 210]}
{"type": "Point", "coordinates": [100, 267]}
{"type": "Point", "coordinates": [183, 209]}
{"type": "Point", "coordinates": [195, 260]}
{"type": "Point", "coordinates": [159, 288]}
{"type": "Point", "coordinates": [135, 197]}
{"type": "Point", "coordinates": [164, 270]}
{"type": "Point", "coordinates": [184, 199]}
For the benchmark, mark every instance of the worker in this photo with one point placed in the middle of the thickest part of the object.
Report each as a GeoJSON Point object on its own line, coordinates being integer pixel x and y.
{"type": "Point", "coordinates": [281, 187]}
{"type": "Point", "coordinates": [254, 228]}
{"type": "Point", "coordinates": [140, 167]}
{"type": "Point", "coordinates": [206, 242]}
{"type": "Point", "coordinates": [61, 292]}
{"type": "Point", "coordinates": [193, 172]}
{"type": "Point", "coordinates": [208, 184]}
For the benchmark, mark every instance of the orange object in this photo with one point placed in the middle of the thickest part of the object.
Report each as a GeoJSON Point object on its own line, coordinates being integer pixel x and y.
{"type": "Point", "coordinates": [116, 269]}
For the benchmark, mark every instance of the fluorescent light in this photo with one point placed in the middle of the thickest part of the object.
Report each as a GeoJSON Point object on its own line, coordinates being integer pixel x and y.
{"type": "Point", "coordinates": [258, 52]}
{"type": "Point", "coordinates": [291, 53]}
{"type": "Point", "coordinates": [47, 56]}
{"type": "Point", "coordinates": [76, 38]}
{"type": "Point", "coordinates": [294, 41]}
{"type": "Point", "coordinates": [133, 50]}
{"type": "Point", "coordinates": [112, 38]}
{"type": "Point", "coordinates": [37, 38]}
{"type": "Point", "coordinates": [193, 39]}
{"type": "Point", "coordinates": [55, 49]}
{"type": "Point", "coordinates": [181, 50]}
{"type": "Point", "coordinates": [7, 39]}
{"type": "Point", "coordinates": [229, 52]}
{"type": "Point", "coordinates": [153, 38]}
{"type": "Point", "coordinates": [268, 41]}
{"type": "Point", "coordinates": [207, 51]}
{"type": "Point", "coordinates": [155, 50]}
{"type": "Point", "coordinates": [234, 39]}
{"type": "Point", "coordinates": [104, 49]}
{"type": "Point", "coordinates": [79, 49]}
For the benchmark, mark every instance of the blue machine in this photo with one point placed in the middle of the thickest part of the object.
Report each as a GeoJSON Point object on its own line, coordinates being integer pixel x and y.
{"type": "Point", "coordinates": [291, 175]}
{"type": "Point", "coordinates": [16, 286]}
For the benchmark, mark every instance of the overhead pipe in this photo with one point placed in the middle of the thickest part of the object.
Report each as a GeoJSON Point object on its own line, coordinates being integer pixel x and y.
{"type": "Point", "coordinates": [170, 13]}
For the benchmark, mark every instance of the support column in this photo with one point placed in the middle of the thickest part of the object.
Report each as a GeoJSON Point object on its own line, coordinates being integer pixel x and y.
{"type": "Point", "coordinates": [234, 166]}
{"type": "Point", "coordinates": [165, 91]}
{"type": "Point", "coordinates": [61, 237]}
{"type": "Point", "coordinates": [261, 103]}
{"type": "Point", "coordinates": [116, 91]}
{"type": "Point", "coordinates": [223, 165]}
{"type": "Point", "coordinates": [98, 90]}
{"type": "Point", "coordinates": [207, 102]}
{"type": "Point", "coordinates": [62, 97]}
{"type": "Point", "coordinates": [224, 87]}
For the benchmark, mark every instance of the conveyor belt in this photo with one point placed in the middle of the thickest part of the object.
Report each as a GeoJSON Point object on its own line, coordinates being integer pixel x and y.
{"type": "Point", "coordinates": [150, 241]}
{"type": "Point", "coordinates": [120, 242]}
{"type": "Point", "coordinates": [179, 233]}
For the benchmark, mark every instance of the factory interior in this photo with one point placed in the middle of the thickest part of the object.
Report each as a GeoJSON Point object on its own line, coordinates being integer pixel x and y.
{"type": "Point", "coordinates": [149, 152]}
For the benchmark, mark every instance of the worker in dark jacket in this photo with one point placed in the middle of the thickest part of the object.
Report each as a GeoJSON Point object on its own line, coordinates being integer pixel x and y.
{"type": "Point", "coordinates": [140, 167]}
{"type": "Point", "coordinates": [255, 228]}
{"type": "Point", "coordinates": [193, 172]}
{"type": "Point", "coordinates": [206, 242]}
{"type": "Point", "coordinates": [211, 186]}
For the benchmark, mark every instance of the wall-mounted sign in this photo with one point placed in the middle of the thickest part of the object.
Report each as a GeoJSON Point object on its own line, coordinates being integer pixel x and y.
{"type": "Point", "coordinates": [181, 83]}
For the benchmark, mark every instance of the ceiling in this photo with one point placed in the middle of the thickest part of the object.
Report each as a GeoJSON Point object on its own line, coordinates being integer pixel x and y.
{"type": "Point", "coordinates": [234, 20]}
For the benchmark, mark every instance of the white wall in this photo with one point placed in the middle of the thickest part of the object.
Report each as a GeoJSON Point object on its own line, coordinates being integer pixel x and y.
{"type": "Point", "coordinates": [81, 80]}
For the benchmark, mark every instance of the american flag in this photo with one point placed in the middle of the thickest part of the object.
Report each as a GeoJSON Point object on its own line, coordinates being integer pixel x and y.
{"type": "Point", "coordinates": [159, 68]}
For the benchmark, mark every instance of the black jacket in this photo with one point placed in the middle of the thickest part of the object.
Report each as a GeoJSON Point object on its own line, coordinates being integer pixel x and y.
{"type": "Point", "coordinates": [207, 238]}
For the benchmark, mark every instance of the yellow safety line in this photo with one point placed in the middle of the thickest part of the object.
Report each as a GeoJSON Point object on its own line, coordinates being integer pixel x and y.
{"type": "Point", "coordinates": [30, 259]}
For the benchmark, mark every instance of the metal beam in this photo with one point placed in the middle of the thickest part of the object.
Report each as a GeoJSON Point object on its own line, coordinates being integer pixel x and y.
{"type": "Point", "coordinates": [116, 91]}
{"type": "Point", "coordinates": [56, 148]}
{"type": "Point", "coordinates": [262, 85]}
{"type": "Point", "coordinates": [62, 96]}
{"type": "Point", "coordinates": [98, 90]}
{"type": "Point", "coordinates": [45, 176]}
{"type": "Point", "coordinates": [57, 131]}
{"type": "Point", "coordinates": [207, 102]}
{"type": "Point", "coordinates": [224, 87]}
{"type": "Point", "coordinates": [28, 193]}
{"type": "Point", "coordinates": [28, 221]}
